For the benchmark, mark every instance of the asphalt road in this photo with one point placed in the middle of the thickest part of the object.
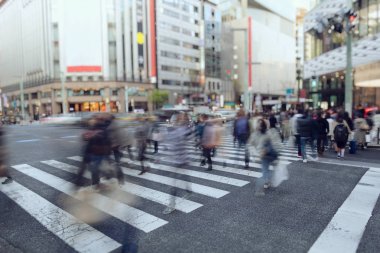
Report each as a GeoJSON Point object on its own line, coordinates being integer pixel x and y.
{"type": "Point", "coordinates": [289, 218]}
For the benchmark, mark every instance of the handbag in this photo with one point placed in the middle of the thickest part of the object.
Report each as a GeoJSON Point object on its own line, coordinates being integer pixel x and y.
{"type": "Point", "coordinates": [368, 138]}
{"type": "Point", "coordinates": [280, 174]}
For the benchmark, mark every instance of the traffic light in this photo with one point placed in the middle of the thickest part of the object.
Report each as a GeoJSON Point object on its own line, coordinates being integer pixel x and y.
{"type": "Point", "coordinates": [352, 18]}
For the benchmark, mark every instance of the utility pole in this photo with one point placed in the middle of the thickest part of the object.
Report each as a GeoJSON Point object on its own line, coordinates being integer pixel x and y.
{"type": "Point", "coordinates": [63, 93]}
{"type": "Point", "coordinates": [348, 89]}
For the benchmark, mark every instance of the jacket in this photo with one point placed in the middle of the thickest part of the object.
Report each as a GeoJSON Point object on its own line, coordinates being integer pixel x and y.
{"type": "Point", "coordinates": [304, 126]}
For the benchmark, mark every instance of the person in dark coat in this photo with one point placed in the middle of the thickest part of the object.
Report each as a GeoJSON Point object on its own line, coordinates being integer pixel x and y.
{"type": "Point", "coordinates": [4, 172]}
{"type": "Point", "coordinates": [304, 129]}
{"type": "Point", "coordinates": [323, 130]}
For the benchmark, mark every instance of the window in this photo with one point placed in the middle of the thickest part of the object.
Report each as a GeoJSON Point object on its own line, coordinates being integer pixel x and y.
{"type": "Point", "coordinates": [209, 85]}
{"type": "Point", "coordinates": [26, 96]}
{"type": "Point", "coordinates": [169, 41]}
{"type": "Point", "coordinates": [213, 85]}
{"type": "Point", "coordinates": [171, 82]}
{"type": "Point", "coordinates": [169, 27]}
{"type": "Point", "coordinates": [186, 18]}
{"type": "Point", "coordinates": [115, 92]}
{"type": "Point", "coordinates": [213, 13]}
{"type": "Point", "coordinates": [173, 3]}
{"type": "Point", "coordinates": [186, 31]}
{"type": "Point", "coordinates": [196, 35]}
{"type": "Point", "coordinates": [171, 69]}
{"type": "Point", "coordinates": [218, 85]}
{"type": "Point", "coordinates": [34, 95]}
{"type": "Point", "coordinates": [196, 21]}
{"type": "Point", "coordinates": [171, 13]}
{"type": "Point", "coordinates": [195, 9]}
{"type": "Point", "coordinates": [190, 58]}
{"type": "Point", "coordinates": [170, 55]}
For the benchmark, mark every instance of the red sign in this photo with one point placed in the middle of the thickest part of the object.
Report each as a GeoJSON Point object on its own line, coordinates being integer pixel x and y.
{"type": "Point", "coordinates": [303, 93]}
{"type": "Point", "coordinates": [80, 69]}
{"type": "Point", "coordinates": [152, 24]}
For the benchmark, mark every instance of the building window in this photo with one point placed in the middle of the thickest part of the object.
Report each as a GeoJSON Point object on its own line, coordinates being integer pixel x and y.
{"type": "Point", "coordinates": [196, 35]}
{"type": "Point", "coordinates": [190, 58]}
{"type": "Point", "coordinates": [171, 69]}
{"type": "Point", "coordinates": [195, 9]}
{"type": "Point", "coordinates": [171, 13]}
{"type": "Point", "coordinates": [218, 85]}
{"type": "Point", "coordinates": [190, 46]}
{"type": "Point", "coordinates": [170, 41]}
{"type": "Point", "coordinates": [196, 21]}
{"type": "Point", "coordinates": [34, 95]}
{"type": "Point", "coordinates": [213, 13]}
{"type": "Point", "coordinates": [115, 92]}
{"type": "Point", "coordinates": [173, 3]}
{"type": "Point", "coordinates": [171, 82]}
{"type": "Point", "coordinates": [213, 85]}
{"type": "Point", "coordinates": [186, 31]}
{"type": "Point", "coordinates": [170, 55]}
{"type": "Point", "coordinates": [209, 85]}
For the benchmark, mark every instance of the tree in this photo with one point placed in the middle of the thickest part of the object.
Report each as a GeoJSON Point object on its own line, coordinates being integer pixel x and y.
{"type": "Point", "coordinates": [159, 98]}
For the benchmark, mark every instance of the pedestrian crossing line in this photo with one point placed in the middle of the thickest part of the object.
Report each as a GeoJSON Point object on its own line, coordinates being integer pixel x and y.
{"type": "Point", "coordinates": [242, 172]}
{"type": "Point", "coordinates": [182, 204]}
{"type": "Point", "coordinates": [230, 161]}
{"type": "Point", "coordinates": [75, 233]}
{"type": "Point", "coordinates": [135, 217]}
{"type": "Point", "coordinates": [192, 173]}
{"type": "Point", "coordinates": [346, 228]}
{"type": "Point", "coordinates": [197, 188]}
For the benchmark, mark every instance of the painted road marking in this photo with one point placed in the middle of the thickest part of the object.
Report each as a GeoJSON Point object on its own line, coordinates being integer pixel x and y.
{"type": "Point", "coordinates": [75, 233]}
{"type": "Point", "coordinates": [135, 217]}
{"type": "Point", "coordinates": [345, 230]}
{"type": "Point", "coordinates": [181, 204]}
{"type": "Point", "coordinates": [197, 188]}
{"type": "Point", "coordinates": [31, 140]}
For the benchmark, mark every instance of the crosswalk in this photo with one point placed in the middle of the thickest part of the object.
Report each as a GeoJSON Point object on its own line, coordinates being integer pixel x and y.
{"type": "Point", "coordinates": [228, 174]}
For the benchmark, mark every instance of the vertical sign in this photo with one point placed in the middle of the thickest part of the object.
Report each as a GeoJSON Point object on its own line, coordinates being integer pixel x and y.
{"type": "Point", "coordinates": [152, 16]}
{"type": "Point", "coordinates": [140, 33]}
{"type": "Point", "coordinates": [249, 53]}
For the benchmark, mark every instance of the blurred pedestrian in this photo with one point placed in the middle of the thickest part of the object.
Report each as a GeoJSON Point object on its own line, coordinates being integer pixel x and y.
{"type": "Point", "coordinates": [242, 133]}
{"type": "Point", "coordinates": [210, 140]}
{"type": "Point", "coordinates": [116, 137]}
{"type": "Point", "coordinates": [4, 172]}
{"type": "Point", "coordinates": [176, 141]}
{"type": "Point", "coordinates": [266, 145]}
{"type": "Point", "coordinates": [361, 128]}
{"type": "Point", "coordinates": [341, 133]}
{"type": "Point", "coordinates": [99, 147]}
{"type": "Point", "coordinates": [294, 130]}
{"type": "Point", "coordinates": [304, 128]}
{"type": "Point", "coordinates": [141, 136]}
{"type": "Point", "coordinates": [323, 130]}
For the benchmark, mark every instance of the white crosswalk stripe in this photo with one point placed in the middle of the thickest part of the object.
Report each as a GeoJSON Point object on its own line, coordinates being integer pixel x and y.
{"type": "Point", "coordinates": [128, 214]}
{"type": "Point", "coordinates": [197, 188]}
{"type": "Point", "coordinates": [182, 205]}
{"type": "Point", "coordinates": [136, 217]}
{"type": "Point", "coordinates": [75, 233]}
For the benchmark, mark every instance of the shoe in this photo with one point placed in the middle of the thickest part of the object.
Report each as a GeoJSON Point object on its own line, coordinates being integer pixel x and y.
{"type": "Point", "coordinates": [246, 166]}
{"type": "Point", "coordinates": [142, 172]}
{"type": "Point", "coordinates": [7, 181]}
{"type": "Point", "coordinates": [304, 160]}
{"type": "Point", "coordinates": [338, 156]}
{"type": "Point", "coordinates": [203, 163]}
{"type": "Point", "coordinates": [266, 186]}
{"type": "Point", "coordinates": [259, 193]}
{"type": "Point", "coordinates": [224, 164]}
{"type": "Point", "coordinates": [209, 169]}
{"type": "Point", "coordinates": [299, 156]}
{"type": "Point", "coordinates": [168, 210]}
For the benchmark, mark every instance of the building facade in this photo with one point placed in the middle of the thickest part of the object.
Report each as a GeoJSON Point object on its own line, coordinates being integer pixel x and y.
{"type": "Point", "coordinates": [64, 59]}
{"type": "Point", "coordinates": [263, 51]}
{"type": "Point", "coordinates": [325, 53]}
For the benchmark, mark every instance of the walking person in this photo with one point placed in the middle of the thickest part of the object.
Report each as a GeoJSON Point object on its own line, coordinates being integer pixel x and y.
{"type": "Point", "coordinates": [323, 130]}
{"type": "Point", "coordinates": [116, 137]}
{"type": "Point", "coordinates": [304, 128]}
{"type": "Point", "coordinates": [341, 133]}
{"type": "Point", "coordinates": [209, 142]}
{"type": "Point", "coordinates": [294, 130]}
{"type": "Point", "coordinates": [266, 145]}
{"type": "Point", "coordinates": [4, 172]}
{"type": "Point", "coordinates": [242, 132]}
{"type": "Point", "coordinates": [141, 136]}
{"type": "Point", "coordinates": [99, 148]}
{"type": "Point", "coordinates": [176, 141]}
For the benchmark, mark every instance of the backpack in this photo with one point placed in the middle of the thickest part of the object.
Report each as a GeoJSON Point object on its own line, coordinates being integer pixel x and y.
{"type": "Point", "coordinates": [340, 133]}
{"type": "Point", "coordinates": [242, 127]}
